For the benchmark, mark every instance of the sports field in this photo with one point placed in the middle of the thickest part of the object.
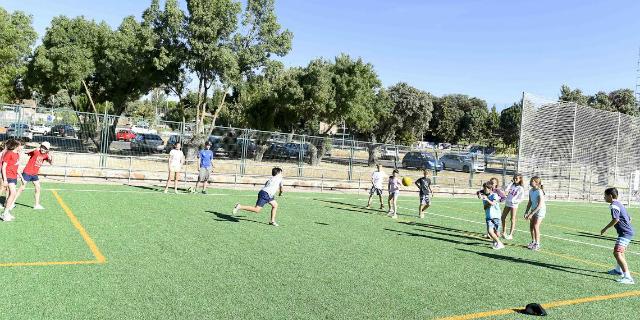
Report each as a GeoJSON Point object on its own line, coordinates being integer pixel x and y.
{"type": "Point", "coordinates": [122, 252]}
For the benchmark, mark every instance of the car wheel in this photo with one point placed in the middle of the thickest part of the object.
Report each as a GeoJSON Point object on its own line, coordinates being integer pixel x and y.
{"type": "Point", "coordinates": [443, 167]}
{"type": "Point", "coordinates": [465, 169]}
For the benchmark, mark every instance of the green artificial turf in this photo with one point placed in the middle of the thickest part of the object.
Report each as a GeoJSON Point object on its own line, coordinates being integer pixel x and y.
{"type": "Point", "coordinates": [186, 257]}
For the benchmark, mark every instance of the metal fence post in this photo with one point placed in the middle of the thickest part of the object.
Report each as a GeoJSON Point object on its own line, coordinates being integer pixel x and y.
{"type": "Point", "coordinates": [322, 182]}
{"type": "Point", "coordinates": [351, 155]}
{"type": "Point", "coordinates": [504, 172]}
{"type": "Point", "coordinates": [66, 165]}
{"type": "Point", "coordinates": [130, 163]}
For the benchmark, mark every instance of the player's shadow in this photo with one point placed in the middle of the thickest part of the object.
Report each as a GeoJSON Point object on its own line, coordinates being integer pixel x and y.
{"type": "Point", "coordinates": [555, 267]}
{"type": "Point", "coordinates": [229, 218]}
{"type": "Point", "coordinates": [152, 188]}
{"type": "Point", "coordinates": [354, 208]}
{"type": "Point", "coordinates": [473, 242]}
{"type": "Point", "coordinates": [597, 236]}
{"type": "Point", "coordinates": [454, 230]}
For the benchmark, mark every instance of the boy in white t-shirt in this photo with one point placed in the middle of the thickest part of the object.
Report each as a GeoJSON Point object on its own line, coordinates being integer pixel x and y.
{"type": "Point", "coordinates": [266, 195]}
{"type": "Point", "coordinates": [377, 178]}
{"type": "Point", "coordinates": [176, 160]}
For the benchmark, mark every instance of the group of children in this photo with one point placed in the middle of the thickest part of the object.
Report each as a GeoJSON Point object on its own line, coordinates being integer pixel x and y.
{"type": "Point", "coordinates": [377, 180]}
{"type": "Point", "coordinates": [9, 162]}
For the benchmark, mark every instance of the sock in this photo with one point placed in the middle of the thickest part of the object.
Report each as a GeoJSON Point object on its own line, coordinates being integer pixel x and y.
{"type": "Point", "coordinates": [627, 274]}
{"type": "Point", "coordinates": [617, 268]}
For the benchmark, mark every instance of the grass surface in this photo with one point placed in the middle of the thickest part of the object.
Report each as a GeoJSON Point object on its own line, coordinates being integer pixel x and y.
{"type": "Point", "coordinates": [186, 257]}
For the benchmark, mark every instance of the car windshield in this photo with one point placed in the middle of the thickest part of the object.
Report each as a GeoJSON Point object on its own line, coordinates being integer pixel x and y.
{"type": "Point", "coordinates": [16, 125]}
{"type": "Point", "coordinates": [152, 137]}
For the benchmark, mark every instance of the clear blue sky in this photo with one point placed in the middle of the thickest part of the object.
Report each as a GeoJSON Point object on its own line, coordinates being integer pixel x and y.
{"type": "Point", "coordinates": [490, 49]}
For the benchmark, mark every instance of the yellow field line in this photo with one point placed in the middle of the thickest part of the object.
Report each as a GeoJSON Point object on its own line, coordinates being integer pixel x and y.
{"type": "Point", "coordinates": [47, 263]}
{"type": "Point", "coordinates": [87, 239]}
{"type": "Point", "coordinates": [546, 306]}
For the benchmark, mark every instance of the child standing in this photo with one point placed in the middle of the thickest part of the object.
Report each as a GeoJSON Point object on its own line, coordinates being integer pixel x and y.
{"type": "Point", "coordinates": [394, 192]}
{"type": "Point", "coordinates": [176, 160]}
{"type": "Point", "coordinates": [37, 157]}
{"type": "Point", "coordinates": [491, 202]}
{"type": "Point", "coordinates": [424, 185]}
{"type": "Point", "coordinates": [206, 164]}
{"type": "Point", "coordinates": [515, 195]}
{"type": "Point", "coordinates": [621, 220]}
{"type": "Point", "coordinates": [377, 178]}
{"type": "Point", "coordinates": [10, 176]}
{"type": "Point", "coordinates": [266, 195]}
{"type": "Point", "coordinates": [3, 188]}
{"type": "Point", "coordinates": [538, 211]}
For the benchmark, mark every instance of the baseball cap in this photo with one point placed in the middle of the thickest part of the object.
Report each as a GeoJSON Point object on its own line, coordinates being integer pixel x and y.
{"type": "Point", "coordinates": [46, 144]}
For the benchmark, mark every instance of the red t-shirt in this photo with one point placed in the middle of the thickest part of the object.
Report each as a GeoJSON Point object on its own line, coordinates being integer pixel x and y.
{"type": "Point", "coordinates": [11, 159]}
{"type": "Point", "coordinates": [36, 160]}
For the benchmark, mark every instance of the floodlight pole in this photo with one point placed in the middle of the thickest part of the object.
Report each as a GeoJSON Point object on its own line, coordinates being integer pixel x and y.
{"type": "Point", "coordinates": [518, 169]}
{"type": "Point", "coordinates": [615, 169]}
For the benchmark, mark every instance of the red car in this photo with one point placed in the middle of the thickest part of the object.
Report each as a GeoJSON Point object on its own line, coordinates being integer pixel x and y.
{"type": "Point", "coordinates": [125, 135]}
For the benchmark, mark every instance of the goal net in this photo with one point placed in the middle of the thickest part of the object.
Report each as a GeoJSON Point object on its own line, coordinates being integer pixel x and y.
{"type": "Point", "coordinates": [578, 151]}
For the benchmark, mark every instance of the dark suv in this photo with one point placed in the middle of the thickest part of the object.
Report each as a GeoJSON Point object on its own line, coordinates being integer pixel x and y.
{"type": "Point", "coordinates": [63, 130]}
{"type": "Point", "coordinates": [421, 160]}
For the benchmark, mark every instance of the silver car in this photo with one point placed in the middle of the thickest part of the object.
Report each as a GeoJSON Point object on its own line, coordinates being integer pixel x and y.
{"type": "Point", "coordinates": [464, 163]}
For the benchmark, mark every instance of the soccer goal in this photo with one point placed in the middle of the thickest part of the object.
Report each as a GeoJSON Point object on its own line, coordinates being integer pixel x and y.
{"type": "Point", "coordinates": [578, 151]}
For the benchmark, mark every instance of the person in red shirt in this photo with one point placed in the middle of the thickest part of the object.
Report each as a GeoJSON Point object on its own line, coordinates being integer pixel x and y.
{"type": "Point", "coordinates": [30, 172]}
{"type": "Point", "coordinates": [10, 176]}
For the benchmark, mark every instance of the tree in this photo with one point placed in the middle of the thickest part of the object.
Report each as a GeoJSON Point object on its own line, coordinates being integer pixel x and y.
{"type": "Point", "coordinates": [446, 118]}
{"type": "Point", "coordinates": [624, 101]}
{"type": "Point", "coordinates": [473, 125]}
{"type": "Point", "coordinates": [16, 38]}
{"type": "Point", "coordinates": [411, 113]}
{"type": "Point", "coordinates": [568, 95]}
{"type": "Point", "coordinates": [601, 101]}
{"type": "Point", "coordinates": [493, 127]}
{"type": "Point", "coordinates": [510, 124]}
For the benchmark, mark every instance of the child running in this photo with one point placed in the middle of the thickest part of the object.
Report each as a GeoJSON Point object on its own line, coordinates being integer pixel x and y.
{"type": "Point", "coordinates": [266, 195]}
{"type": "Point", "coordinates": [491, 203]}
{"type": "Point", "coordinates": [536, 211]}
{"type": "Point", "coordinates": [394, 192]}
{"type": "Point", "coordinates": [515, 195]}
{"type": "Point", "coordinates": [377, 178]}
{"type": "Point", "coordinates": [621, 221]}
{"type": "Point", "coordinates": [37, 157]}
{"type": "Point", "coordinates": [10, 176]}
{"type": "Point", "coordinates": [424, 185]}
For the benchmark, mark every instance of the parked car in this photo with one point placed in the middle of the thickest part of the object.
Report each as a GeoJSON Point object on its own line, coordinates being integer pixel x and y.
{"type": "Point", "coordinates": [147, 142]}
{"type": "Point", "coordinates": [20, 131]}
{"type": "Point", "coordinates": [444, 146]}
{"type": "Point", "coordinates": [41, 129]}
{"type": "Point", "coordinates": [465, 163]}
{"type": "Point", "coordinates": [389, 153]}
{"type": "Point", "coordinates": [421, 160]}
{"type": "Point", "coordinates": [63, 130]}
{"type": "Point", "coordinates": [125, 135]}
{"type": "Point", "coordinates": [292, 150]}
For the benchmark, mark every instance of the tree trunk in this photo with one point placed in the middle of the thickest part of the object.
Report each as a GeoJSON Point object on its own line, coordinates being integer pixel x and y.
{"type": "Point", "coordinates": [372, 148]}
{"type": "Point", "coordinates": [260, 151]}
{"type": "Point", "coordinates": [217, 113]}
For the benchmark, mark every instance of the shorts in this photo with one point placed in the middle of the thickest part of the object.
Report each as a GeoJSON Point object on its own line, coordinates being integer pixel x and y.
{"type": "Point", "coordinates": [263, 198]}
{"type": "Point", "coordinates": [510, 204]}
{"type": "Point", "coordinates": [621, 244]}
{"type": "Point", "coordinates": [174, 168]}
{"type": "Point", "coordinates": [394, 194]}
{"type": "Point", "coordinates": [204, 174]}
{"type": "Point", "coordinates": [29, 178]}
{"type": "Point", "coordinates": [425, 199]}
{"type": "Point", "coordinates": [376, 191]}
{"type": "Point", "coordinates": [493, 223]}
{"type": "Point", "coordinates": [541, 214]}
{"type": "Point", "coordinates": [12, 181]}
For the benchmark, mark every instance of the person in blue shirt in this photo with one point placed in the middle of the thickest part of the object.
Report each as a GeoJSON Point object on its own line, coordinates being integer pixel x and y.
{"type": "Point", "coordinates": [491, 203]}
{"type": "Point", "coordinates": [621, 221]}
{"type": "Point", "coordinates": [206, 165]}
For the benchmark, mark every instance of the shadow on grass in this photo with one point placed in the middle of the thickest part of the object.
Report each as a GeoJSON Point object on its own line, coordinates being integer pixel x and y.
{"type": "Point", "coordinates": [322, 223]}
{"type": "Point", "coordinates": [356, 208]}
{"type": "Point", "coordinates": [229, 218]}
{"type": "Point", "coordinates": [433, 226]}
{"type": "Point", "coordinates": [153, 188]}
{"type": "Point", "coordinates": [555, 267]}
{"type": "Point", "coordinates": [474, 242]}
{"type": "Point", "coordinates": [597, 236]}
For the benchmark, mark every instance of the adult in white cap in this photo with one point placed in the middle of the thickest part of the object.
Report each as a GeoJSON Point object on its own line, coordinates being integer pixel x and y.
{"type": "Point", "coordinates": [37, 157]}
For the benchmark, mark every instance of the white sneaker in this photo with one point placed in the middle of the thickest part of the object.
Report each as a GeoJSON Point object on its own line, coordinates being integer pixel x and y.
{"type": "Point", "coordinates": [625, 280]}
{"type": "Point", "coordinates": [38, 207]}
{"type": "Point", "coordinates": [498, 246]}
{"type": "Point", "coordinates": [536, 247]}
{"type": "Point", "coordinates": [531, 245]}
{"type": "Point", "coordinates": [275, 224]}
{"type": "Point", "coordinates": [6, 217]}
{"type": "Point", "coordinates": [236, 208]}
{"type": "Point", "coordinates": [508, 237]}
{"type": "Point", "coordinates": [394, 216]}
{"type": "Point", "coordinates": [614, 272]}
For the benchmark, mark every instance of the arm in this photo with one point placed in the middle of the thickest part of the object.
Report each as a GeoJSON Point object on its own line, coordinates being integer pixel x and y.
{"type": "Point", "coordinates": [49, 158]}
{"type": "Point", "coordinates": [534, 210]}
{"type": "Point", "coordinates": [611, 224]}
{"type": "Point", "coordinates": [280, 193]}
{"type": "Point", "coordinates": [526, 216]}
{"type": "Point", "coordinates": [4, 173]}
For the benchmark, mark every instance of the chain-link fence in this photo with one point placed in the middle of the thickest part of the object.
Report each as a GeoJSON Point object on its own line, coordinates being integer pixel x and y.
{"type": "Point", "coordinates": [106, 147]}
{"type": "Point", "coordinates": [579, 151]}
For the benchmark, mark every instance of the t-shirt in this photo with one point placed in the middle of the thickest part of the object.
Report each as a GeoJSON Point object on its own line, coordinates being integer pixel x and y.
{"type": "Point", "coordinates": [175, 158]}
{"type": "Point", "coordinates": [624, 228]}
{"type": "Point", "coordinates": [394, 184]}
{"type": "Point", "coordinates": [493, 211]}
{"type": "Point", "coordinates": [273, 185]}
{"type": "Point", "coordinates": [11, 158]}
{"type": "Point", "coordinates": [206, 156]}
{"type": "Point", "coordinates": [424, 184]}
{"type": "Point", "coordinates": [377, 178]}
{"type": "Point", "coordinates": [515, 195]}
{"type": "Point", "coordinates": [36, 160]}
{"type": "Point", "coordinates": [535, 195]}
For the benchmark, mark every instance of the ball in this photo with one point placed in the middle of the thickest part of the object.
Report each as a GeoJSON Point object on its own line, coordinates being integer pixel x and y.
{"type": "Point", "coordinates": [406, 181]}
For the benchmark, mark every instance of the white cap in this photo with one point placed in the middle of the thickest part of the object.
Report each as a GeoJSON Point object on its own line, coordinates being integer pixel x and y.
{"type": "Point", "coordinates": [46, 144]}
